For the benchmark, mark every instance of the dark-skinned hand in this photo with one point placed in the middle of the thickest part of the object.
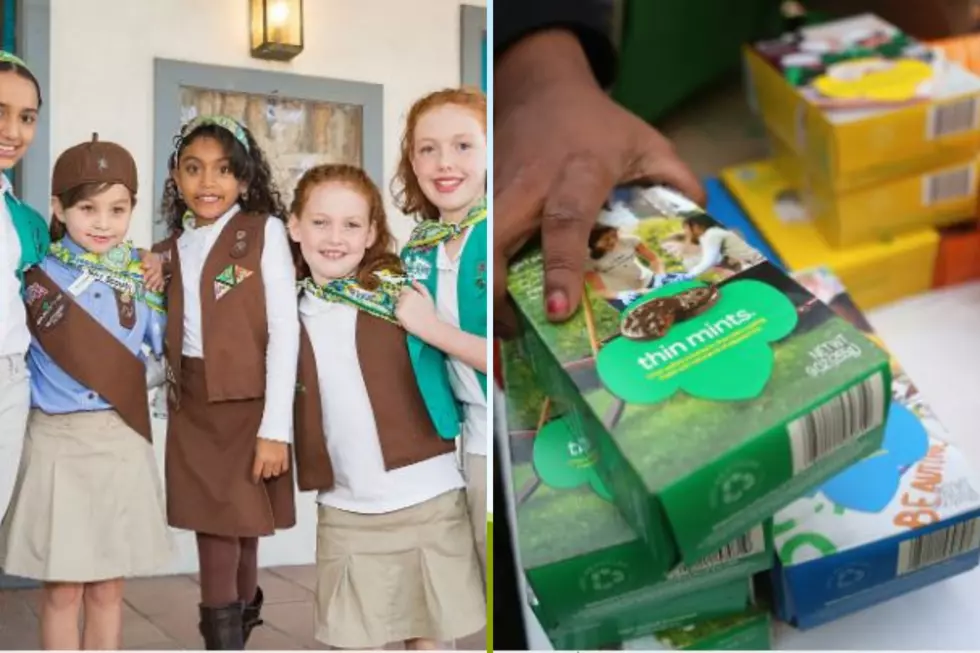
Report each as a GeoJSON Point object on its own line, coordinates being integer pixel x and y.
{"type": "Point", "coordinates": [561, 145]}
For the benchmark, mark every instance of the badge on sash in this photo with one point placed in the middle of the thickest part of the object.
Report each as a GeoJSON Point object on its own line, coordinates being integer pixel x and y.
{"type": "Point", "coordinates": [34, 292]}
{"type": "Point", "coordinates": [52, 312]}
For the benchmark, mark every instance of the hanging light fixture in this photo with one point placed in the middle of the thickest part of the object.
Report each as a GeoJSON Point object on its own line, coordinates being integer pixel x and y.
{"type": "Point", "coordinates": [277, 29]}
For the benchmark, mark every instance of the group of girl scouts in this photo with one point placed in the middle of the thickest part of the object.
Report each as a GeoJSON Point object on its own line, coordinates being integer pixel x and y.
{"type": "Point", "coordinates": [297, 347]}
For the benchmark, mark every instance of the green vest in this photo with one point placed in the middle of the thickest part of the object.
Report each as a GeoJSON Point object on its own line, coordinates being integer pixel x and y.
{"type": "Point", "coordinates": [430, 363]}
{"type": "Point", "coordinates": [32, 232]}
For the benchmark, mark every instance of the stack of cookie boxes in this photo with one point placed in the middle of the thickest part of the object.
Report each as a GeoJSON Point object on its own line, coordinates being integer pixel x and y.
{"type": "Point", "coordinates": [907, 517]}
{"type": "Point", "coordinates": [876, 136]}
{"type": "Point", "coordinates": [654, 435]}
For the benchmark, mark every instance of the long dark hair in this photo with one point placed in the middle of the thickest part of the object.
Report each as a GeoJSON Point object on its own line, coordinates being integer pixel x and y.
{"type": "Point", "coordinates": [21, 71]}
{"type": "Point", "coordinates": [250, 167]}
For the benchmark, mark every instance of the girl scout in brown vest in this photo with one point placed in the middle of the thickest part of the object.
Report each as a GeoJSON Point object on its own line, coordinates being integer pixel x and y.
{"type": "Point", "coordinates": [395, 554]}
{"type": "Point", "coordinates": [88, 509]}
{"type": "Point", "coordinates": [232, 343]}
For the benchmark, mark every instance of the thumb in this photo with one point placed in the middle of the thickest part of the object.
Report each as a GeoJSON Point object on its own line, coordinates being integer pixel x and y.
{"type": "Point", "coordinates": [420, 289]}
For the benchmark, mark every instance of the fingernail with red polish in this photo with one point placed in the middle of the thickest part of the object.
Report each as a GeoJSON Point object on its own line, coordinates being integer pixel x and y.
{"type": "Point", "coordinates": [557, 303]}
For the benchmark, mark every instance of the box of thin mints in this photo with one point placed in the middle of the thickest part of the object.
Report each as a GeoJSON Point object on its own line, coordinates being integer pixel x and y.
{"type": "Point", "coordinates": [708, 388]}
{"type": "Point", "coordinates": [589, 572]}
{"type": "Point", "coordinates": [905, 517]}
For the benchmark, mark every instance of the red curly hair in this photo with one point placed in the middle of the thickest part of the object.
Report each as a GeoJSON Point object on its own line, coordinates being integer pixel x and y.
{"type": "Point", "coordinates": [379, 256]}
{"type": "Point", "coordinates": [405, 187]}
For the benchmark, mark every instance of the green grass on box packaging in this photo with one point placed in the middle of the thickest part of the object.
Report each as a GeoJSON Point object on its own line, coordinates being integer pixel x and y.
{"type": "Point", "coordinates": [583, 562]}
{"type": "Point", "coordinates": [706, 388]}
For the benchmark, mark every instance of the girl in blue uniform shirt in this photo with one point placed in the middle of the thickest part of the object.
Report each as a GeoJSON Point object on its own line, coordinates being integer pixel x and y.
{"type": "Point", "coordinates": [88, 509]}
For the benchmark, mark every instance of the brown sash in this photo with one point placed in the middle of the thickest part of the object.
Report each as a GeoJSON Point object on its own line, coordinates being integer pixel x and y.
{"type": "Point", "coordinates": [87, 351]}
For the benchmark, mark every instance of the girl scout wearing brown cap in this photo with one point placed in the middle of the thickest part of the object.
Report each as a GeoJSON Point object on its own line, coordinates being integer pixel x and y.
{"type": "Point", "coordinates": [88, 509]}
{"type": "Point", "coordinates": [23, 242]}
{"type": "Point", "coordinates": [232, 346]}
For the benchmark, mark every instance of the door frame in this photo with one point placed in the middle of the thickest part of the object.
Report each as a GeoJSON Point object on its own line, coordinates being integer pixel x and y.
{"type": "Point", "coordinates": [472, 46]}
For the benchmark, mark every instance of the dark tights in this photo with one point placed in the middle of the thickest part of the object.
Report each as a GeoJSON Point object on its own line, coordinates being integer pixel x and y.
{"type": "Point", "coordinates": [229, 569]}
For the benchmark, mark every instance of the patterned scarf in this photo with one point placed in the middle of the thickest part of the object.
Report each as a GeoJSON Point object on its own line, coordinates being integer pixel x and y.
{"type": "Point", "coordinates": [117, 269]}
{"type": "Point", "coordinates": [430, 233]}
{"type": "Point", "coordinates": [379, 302]}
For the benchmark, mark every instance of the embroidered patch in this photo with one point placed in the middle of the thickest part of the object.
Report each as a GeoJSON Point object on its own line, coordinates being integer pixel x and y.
{"type": "Point", "coordinates": [230, 277]}
{"type": "Point", "coordinates": [52, 312]}
{"type": "Point", "coordinates": [239, 249]}
{"type": "Point", "coordinates": [34, 292]}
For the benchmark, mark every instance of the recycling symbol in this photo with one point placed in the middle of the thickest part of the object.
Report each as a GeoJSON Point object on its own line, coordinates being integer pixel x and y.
{"type": "Point", "coordinates": [735, 487]}
{"type": "Point", "coordinates": [848, 577]}
{"type": "Point", "coordinates": [604, 579]}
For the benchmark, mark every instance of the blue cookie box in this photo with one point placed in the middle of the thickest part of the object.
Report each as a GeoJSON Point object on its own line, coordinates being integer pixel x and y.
{"type": "Point", "coordinates": [823, 590]}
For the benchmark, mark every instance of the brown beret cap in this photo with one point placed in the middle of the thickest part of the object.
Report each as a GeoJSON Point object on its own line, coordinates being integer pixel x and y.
{"type": "Point", "coordinates": [95, 161]}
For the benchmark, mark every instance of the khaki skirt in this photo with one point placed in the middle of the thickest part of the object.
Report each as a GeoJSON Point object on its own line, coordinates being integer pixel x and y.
{"type": "Point", "coordinates": [210, 453]}
{"type": "Point", "coordinates": [402, 575]}
{"type": "Point", "coordinates": [87, 505]}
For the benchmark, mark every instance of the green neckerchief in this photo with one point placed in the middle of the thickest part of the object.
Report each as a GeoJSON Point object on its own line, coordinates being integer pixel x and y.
{"type": "Point", "coordinates": [117, 269]}
{"type": "Point", "coordinates": [430, 233]}
{"type": "Point", "coordinates": [379, 302]}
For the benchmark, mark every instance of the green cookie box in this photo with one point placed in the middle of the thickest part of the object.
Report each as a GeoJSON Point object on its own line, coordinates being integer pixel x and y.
{"type": "Point", "coordinates": [748, 631]}
{"type": "Point", "coordinates": [579, 555]}
{"type": "Point", "coordinates": [743, 406]}
{"type": "Point", "coordinates": [625, 621]}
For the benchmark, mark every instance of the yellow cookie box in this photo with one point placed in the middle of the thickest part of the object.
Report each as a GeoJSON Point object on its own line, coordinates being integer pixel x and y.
{"type": "Point", "coordinates": [857, 147]}
{"type": "Point", "coordinates": [869, 214]}
{"type": "Point", "coordinates": [875, 274]}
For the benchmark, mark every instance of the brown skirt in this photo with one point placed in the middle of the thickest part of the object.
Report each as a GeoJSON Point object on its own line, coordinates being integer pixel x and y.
{"type": "Point", "coordinates": [210, 453]}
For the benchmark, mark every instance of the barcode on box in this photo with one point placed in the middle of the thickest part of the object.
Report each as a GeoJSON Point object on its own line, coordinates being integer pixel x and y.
{"type": "Point", "coordinates": [948, 185]}
{"type": "Point", "coordinates": [938, 546]}
{"type": "Point", "coordinates": [749, 544]}
{"type": "Point", "coordinates": [847, 416]}
{"type": "Point", "coordinates": [953, 118]}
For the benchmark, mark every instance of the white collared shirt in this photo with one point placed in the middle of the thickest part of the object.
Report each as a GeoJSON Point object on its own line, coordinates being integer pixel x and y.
{"type": "Point", "coordinates": [279, 279]}
{"type": "Point", "coordinates": [462, 377]}
{"type": "Point", "coordinates": [15, 337]}
{"type": "Point", "coordinates": [361, 482]}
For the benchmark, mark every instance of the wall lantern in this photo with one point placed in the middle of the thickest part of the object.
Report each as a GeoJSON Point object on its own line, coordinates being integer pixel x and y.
{"type": "Point", "coordinates": [277, 29]}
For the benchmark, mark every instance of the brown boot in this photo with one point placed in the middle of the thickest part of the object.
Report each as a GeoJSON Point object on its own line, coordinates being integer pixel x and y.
{"type": "Point", "coordinates": [250, 616]}
{"type": "Point", "coordinates": [221, 627]}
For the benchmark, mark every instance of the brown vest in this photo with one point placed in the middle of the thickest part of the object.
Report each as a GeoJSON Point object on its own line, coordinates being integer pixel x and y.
{"type": "Point", "coordinates": [87, 351]}
{"type": "Point", "coordinates": [234, 328]}
{"type": "Point", "coordinates": [405, 431]}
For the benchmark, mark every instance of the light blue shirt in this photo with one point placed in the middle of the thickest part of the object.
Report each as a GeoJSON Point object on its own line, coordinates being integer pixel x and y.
{"type": "Point", "coordinates": [52, 389]}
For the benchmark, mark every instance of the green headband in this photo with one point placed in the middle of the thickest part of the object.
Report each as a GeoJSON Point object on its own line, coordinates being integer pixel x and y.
{"type": "Point", "coordinates": [230, 125]}
{"type": "Point", "coordinates": [14, 59]}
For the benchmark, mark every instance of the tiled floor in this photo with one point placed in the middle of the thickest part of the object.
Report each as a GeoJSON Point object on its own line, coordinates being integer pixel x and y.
{"type": "Point", "coordinates": [161, 613]}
